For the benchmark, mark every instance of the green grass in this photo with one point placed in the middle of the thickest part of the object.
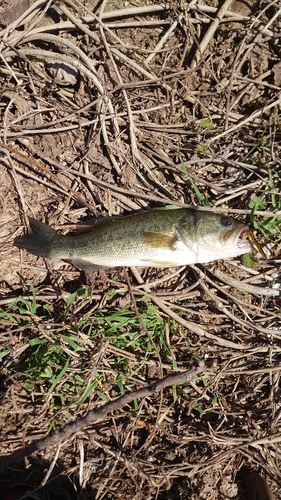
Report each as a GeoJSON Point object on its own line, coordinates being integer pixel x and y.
{"type": "Point", "coordinates": [61, 345]}
{"type": "Point", "coordinates": [201, 196]}
{"type": "Point", "coordinates": [267, 200]}
{"type": "Point", "coordinates": [267, 229]}
{"type": "Point", "coordinates": [59, 366]}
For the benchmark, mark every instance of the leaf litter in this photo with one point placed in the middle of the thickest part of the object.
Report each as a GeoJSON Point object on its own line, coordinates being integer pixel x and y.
{"type": "Point", "coordinates": [107, 109]}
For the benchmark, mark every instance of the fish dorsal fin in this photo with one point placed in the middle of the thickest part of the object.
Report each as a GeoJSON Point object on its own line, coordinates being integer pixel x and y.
{"type": "Point", "coordinates": [90, 225]}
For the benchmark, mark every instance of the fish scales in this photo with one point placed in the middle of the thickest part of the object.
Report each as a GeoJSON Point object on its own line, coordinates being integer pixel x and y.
{"type": "Point", "coordinates": [158, 238]}
{"type": "Point", "coordinates": [123, 242]}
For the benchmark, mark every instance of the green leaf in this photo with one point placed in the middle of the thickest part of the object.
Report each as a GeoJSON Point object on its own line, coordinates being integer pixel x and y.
{"type": "Point", "coordinates": [5, 352]}
{"type": "Point", "coordinates": [33, 305]}
{"type": "Point", "coordinates": [257, 203]}
{"type": "Point", "coordinates": [249, 261]}
{"type": "Point", "coordinates": [203, 147]}
{"type": "Point", "coordinates": [207, 124]}
{"type": "Point", "coordinates": [58, 378]}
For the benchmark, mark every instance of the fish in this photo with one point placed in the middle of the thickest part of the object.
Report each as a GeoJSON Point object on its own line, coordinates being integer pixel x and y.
{"type": "Point", "coordinates": [153, 238]}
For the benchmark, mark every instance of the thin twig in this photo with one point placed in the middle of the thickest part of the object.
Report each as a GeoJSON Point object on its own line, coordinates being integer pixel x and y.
{"type": "Point", "coordinates": [164, 39]}
{"type": "Point", "coordinates": [210, 32]}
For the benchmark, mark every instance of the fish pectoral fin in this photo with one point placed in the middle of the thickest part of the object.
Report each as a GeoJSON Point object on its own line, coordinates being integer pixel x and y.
{"type": "Point", "coordinates": [85, 265]}
{"type": "Point", "coordinates": [158, 240]}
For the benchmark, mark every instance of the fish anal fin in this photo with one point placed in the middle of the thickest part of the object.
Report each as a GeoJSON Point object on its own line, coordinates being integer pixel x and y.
{"type": "Point", "coordinates": [158, 240]}
{"type": "Point", "coordinates": [85, 265]}
{"type": "Point", "coordinates": [157, 263]}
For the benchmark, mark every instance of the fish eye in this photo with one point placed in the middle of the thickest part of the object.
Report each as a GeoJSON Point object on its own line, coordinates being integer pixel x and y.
{"type": "Point", "coordinates": [226, 222]}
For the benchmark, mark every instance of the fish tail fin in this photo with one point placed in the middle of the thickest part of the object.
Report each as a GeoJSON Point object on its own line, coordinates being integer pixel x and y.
{"type": "Point", "coordinates": [38, 240]}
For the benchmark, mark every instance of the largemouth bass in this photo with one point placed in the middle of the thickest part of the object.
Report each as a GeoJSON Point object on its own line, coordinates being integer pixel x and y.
{"type": "Point", "coordinates": [157, 238]}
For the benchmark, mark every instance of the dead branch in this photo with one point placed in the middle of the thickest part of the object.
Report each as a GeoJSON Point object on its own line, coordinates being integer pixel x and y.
{"type": "Point", "coordinates": [101, 413]}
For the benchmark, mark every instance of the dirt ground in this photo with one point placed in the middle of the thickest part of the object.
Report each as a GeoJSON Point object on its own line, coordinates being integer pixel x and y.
{"type": "Point", "coordinates": [108, 108]}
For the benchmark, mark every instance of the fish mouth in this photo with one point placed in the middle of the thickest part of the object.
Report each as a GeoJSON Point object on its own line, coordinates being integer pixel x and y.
{"type": "Point", "coordinates": [237, 238]}
{"type": "Point", "coordinates": [242, 241]}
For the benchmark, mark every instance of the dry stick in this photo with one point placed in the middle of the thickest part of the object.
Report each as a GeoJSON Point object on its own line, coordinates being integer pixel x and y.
{"type": "Point", "coordinates": [10, 69]}
{"type": "Point", "coordinates": [210, 32]}
{"type": "Point", "coordinates": [239, 191]}
{"type": "Point", "coordinates": [36, 129]}
{"type": "Point", "coordinates": [63, 41]}
{"type": "Point", "coordinates": [106, 100]}
{"type": "Point", "coordinates": [106, 15]}
{"type": "Point", "coordinates": [264, 314]}
{"type": "Point", "coordinates": [135, 11]}
{"type": "Point", "coordinates": [163, 40]}
{"type": "Point", "coordinates": [258, 36]}
{"type": "Point", "coordinates": [130, 85]}
{"type": "Point", "coordinates": [139, 24]}
{"type": "Point", "coordinates": [237, 67]}
{"type": "Point", "coordinates": [94, 78]}
{"type": "Point", "coordinates": [26, 31]}
{"type": "Point", "coordinates": [221, 306]}
{"type": "Point", "coordinates": [193, 327]}
{"type": "Point", "coordinates": [256, 371]}
{"type": "Point", "coordinates": [50, 56]}
{"type": "Point", "coordinates": [85, 29]}
{"type": "Point", "coordinates": [229, 91]}
{"type": "Point", "coordinates": [18, 187]}
{"type": "Point", "coordinates": [48, 37]}
{"type": "Point", "coordinates": [113, 187]}
{"type": "Point", "coordinates": [4, 34]}
{"type": "Point", "coordinates": [117, 52]}
{"type": "Point", "coordinates": [257, 81]}
{"type": "Point", "coordinates": [66, 25]}
{"type": "Point", "coordinates": [244, 443]}
{"type": "Point", "coordinates": [17, 183]}
{"type": "Point", "coordinates": [135, 194]}
{"type": "Point", "coordinates": [28, 14]}
{"type": "Point", "coordinates": [58, 182]}
{"type": "Point", "coordinates": [134, 147]}
{"type": "Point", "coordinates": [198, 330]}
{"type": "Point", "coordinates": [144, 328]}
{"type": "Point", "coordinates": [134, 65]}
{"type": "Point", "coordinates": [233, 15]}
{"type": "Point", "coordinates": [101, 413]}
{"type": "Point", "coordinates": [247, 119]}
{"type": "Point", "coordinates": [245, 287]}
